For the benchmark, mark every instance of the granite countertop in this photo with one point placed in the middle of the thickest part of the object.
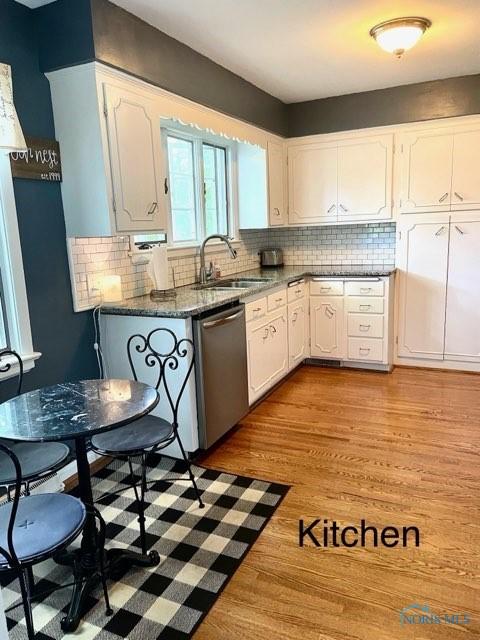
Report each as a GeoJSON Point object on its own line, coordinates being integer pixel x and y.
{"type": "Point", "coordinates": [191, 301]}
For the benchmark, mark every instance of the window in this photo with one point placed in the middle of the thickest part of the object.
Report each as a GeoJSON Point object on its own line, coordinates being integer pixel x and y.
{"type": "Point", "coordinates": [14, 317]}
{"type": "Point", "coordinates": [198, 187]}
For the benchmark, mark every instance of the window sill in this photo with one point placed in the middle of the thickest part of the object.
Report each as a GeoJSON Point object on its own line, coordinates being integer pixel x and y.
{"type": "Point", "coordinates": [28, 360]}
{"type": "Point", "coordinates": [182, 251]}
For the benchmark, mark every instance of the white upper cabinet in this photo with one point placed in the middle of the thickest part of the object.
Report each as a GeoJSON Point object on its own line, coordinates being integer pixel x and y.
{"type": "Point", "coordinates": [135, 160]}
{"type": "Point", "coordinates": [312, 183]}
{"type": "Point", "coordinates": [341, 181]}
{"type": "Point", "coordinates": [365, 178]}
{"type": "Point", "coordinates": [462, 328]}
{"type": "Point", "coordinates": [423, 261]}
{"type": "Point", "coordinates": [440, 170]}
{"type": "Point", "coordinates": [276, 184]}
{"type": "Point", "coordinates": [466, 170]}
{"type": "Point", "coordinates": [426, 172]}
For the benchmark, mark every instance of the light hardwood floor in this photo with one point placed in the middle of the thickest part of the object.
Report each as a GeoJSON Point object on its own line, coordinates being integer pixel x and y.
{"type": "Point", "coordinates": [400, 449]}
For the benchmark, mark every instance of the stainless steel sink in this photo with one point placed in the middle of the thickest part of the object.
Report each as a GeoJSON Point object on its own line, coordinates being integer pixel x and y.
{"type": "Point", "coordinates": [243, 283]}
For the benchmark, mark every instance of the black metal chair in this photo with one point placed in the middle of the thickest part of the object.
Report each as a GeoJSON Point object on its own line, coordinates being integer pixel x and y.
{"type": "Point", "coordinates": [152, 434]}
{"type": "Point", "coordinates": [37, 460]}
{"type": "Point", "coordinates": [33, 529]}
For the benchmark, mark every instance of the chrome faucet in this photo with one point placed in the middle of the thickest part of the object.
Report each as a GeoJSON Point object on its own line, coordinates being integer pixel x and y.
{"type": "Point", "coordinates": [206, 274]}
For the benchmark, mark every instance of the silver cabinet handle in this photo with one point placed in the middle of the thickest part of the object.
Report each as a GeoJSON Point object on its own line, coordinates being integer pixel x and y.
{"type": "Point", "coordinates": [152, 209]}
{"type": "Point", "coordinates": [220, 321]}
{"type": "Point", "coordinates": [364, 327]}
{"type": "Point", "coordinates": [295, 316]}
{"type": "Point", "coordinates": [329, 313]}
{"type": "Point", "coordinates": [442, 198]}
{"type": "Point", "coordinates": [343, 208]}
{"type": "Point", "coordinates": [278, 299]}
{"type": "Point", "coordinates": [460, 230]}
{"type": "Point", "coordinates": [440, 231]}
{"type": "Point", "coordinates": [298, 291]}
{"type": "Point", "coordinates": [331, 208]}
{"type": "Point", "coordinates": [277, 211]}
{"type": "Point", "coordinates": [365, 289]}
{"type": "Point", "coordinates": [458, 196]}
{"type": "Point", "coordinates": [266, 333]}
{"type": "Point", "coordinates": [325, 288]}
{"type": "Point", "coordinates": [364, 350]}
{"type": "Point", "coordinates": [272, 329]}
{"type": "Point", "coordinates": [364, 307]}
{"type": "Point", "coordinates": [257, 309]}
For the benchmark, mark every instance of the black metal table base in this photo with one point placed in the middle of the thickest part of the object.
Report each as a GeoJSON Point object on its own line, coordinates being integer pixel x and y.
{"type": "Point", "coordinates": [117, 562]}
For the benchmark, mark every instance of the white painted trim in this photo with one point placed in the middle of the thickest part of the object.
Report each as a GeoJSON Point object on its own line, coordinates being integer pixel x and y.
{"type": "Point", "coordinates": [18, 318]}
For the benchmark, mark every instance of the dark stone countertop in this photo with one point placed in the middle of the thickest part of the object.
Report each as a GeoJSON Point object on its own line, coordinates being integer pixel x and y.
{"type": "Point", "coordinates": [75, 409]}
{"type": "Point", "coordinates": [191, 301]}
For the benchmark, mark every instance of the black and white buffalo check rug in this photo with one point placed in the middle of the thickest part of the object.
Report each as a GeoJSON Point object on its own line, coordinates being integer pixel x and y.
{"type": "Point", "coordinates": [200, 550]}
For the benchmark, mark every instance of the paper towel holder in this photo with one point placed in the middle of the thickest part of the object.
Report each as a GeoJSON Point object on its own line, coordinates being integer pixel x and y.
{"type": "Point", "coordinates": [164, 294]}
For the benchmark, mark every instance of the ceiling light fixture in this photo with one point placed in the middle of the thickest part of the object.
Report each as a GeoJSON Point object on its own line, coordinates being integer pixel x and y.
{"type": "Point", "coordinates": [400, 34]}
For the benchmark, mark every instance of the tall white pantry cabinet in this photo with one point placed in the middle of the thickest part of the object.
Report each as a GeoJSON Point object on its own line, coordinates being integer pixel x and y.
{"type": "Point", "coordinates": [438, 248]}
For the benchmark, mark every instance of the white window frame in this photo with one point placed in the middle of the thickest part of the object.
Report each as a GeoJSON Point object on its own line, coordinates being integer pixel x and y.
{"type": "Point", "coordinates": [13, 277]}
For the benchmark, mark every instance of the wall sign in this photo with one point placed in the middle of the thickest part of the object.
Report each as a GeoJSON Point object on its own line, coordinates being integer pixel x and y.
{"type": "Point", "coordinates": [41, 160]}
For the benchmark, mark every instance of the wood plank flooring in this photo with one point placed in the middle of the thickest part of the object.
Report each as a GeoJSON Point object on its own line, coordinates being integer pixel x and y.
{"type": "Point", "coordinates": [398, 449]}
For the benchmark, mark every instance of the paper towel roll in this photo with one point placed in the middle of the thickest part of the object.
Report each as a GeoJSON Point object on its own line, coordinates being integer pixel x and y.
{"type": "Point", "coordinates": [158, 267]}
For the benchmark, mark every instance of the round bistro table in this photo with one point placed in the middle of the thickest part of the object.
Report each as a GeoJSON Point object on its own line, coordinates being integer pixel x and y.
{"type": "Point", "coordinates": [77, 411]}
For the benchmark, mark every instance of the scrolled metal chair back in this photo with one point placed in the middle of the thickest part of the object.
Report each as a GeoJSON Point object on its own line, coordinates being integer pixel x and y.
{"type": "Point", "coordinates": [6, 364]}
{"type": "Point", "coordinates": [9, 554]}
{"type": "Point", "coordinates": [168, 360]}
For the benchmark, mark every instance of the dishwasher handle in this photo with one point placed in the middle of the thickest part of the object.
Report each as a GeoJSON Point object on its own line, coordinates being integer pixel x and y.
{"type": "Point", "coordinates": [217, 323]}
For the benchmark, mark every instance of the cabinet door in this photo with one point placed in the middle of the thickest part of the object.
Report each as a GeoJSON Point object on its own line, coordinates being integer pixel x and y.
{"type": "Point", "coordinates": [267, 353]}
{"type": "Point", "coordinates": [312, 183]}
{"type": "Point", "coordinates": [297, 332]}
{"type": "Point", "coordinates": [365, 179]}
{"type": "Point", "coordinates": [135, 159]}
{"type": "Point", "coordinates": [276, 184]}
{"type": "Point", "coordinates": [426, 175]}
{"type": "Point", "coordinates": [466, 170]}
{"type": "Point", "coordinates": [422, 260]}
{"type": "Point", "coordinates": [462, 331]}
{"type": "Point", "coordinates": [327, 336]}
{"type": "Point", "coordinates": [278, 346]}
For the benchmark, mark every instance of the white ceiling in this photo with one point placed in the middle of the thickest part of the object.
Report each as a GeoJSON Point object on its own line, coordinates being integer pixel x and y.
{"type": "Point", "coordinates": [305, 49]}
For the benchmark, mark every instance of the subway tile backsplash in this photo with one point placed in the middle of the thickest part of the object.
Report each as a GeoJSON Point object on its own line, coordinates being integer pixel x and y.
{"type": "Point", "coordinates": [346, 244]}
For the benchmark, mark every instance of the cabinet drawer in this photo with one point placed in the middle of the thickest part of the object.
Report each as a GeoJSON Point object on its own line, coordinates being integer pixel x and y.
{"type": "Point", "coordinates": [295, 290]}
{"type": "Point", "coordinates": [365, 288]}
{"type": "Point", "coordinates": [276, 300]}
{"type": "Point", "coordinates": [365, 349]}
{"type": "Point", "coordinates": [256, 309]}
{"type": "Point", "coordinates": [365, 325]}
{"type": "Point", "coordinates": [326, 287]}
{"type": "Point", "coordinates": [368, 305]}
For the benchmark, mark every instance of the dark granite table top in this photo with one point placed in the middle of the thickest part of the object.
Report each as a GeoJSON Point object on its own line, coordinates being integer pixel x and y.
{"type": "Point", "coordinates": [75, 409]}
{"type": "Point", "coordinates": [190, 301]}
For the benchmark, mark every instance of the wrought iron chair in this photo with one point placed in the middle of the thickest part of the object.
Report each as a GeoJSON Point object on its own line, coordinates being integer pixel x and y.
{"type": "Point", "coordinates": [37, 460]}
{"type": "Point", "coordinates": [33, 529]}
{"type": "Point", "coordinates": [152, 434]}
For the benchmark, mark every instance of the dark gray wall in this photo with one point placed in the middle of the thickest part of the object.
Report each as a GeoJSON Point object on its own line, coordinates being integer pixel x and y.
{"type": "Point", "coordinates": [76, 31]}
{"type": "Point", "coordinates": [64, 338]}
{"type": "Point", "coordinates": [408, 103]}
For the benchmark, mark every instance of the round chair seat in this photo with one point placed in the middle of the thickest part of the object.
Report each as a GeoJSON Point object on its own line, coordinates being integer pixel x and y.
{"type": "Point", "coordinates": [36, 459]}
{"type": "Point", "coordinates": [141, 435]}
{"type": "Point", "coordinates": [44, 524]}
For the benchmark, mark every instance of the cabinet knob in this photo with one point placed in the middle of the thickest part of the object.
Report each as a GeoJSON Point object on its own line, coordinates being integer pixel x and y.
{"type": "Point", "coordinates": [442, 198]}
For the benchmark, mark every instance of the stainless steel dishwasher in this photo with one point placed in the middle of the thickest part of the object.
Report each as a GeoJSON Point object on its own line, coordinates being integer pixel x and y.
{"type": "Point", "coordinates": [220, 372]}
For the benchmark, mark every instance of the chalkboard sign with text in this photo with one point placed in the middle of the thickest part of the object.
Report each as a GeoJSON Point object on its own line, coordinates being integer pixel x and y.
{"type": "Point", "coordinates": [41, 161]}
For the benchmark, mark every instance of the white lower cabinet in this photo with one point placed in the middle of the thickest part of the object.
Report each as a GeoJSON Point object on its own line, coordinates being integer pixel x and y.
{"type": "Point", "coordinates": [267, 352]}
{"type": "Point", "coordinates": [298, 331]}
{"type": "Point", "coordinates": [439, 302]}
{"type": "Point", "coordinates": [326, 327]}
